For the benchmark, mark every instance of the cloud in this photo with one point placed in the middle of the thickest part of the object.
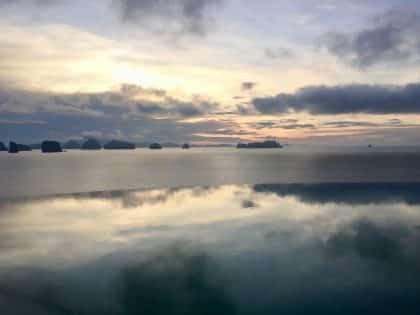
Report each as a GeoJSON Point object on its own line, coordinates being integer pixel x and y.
{"type": "Point", "coordinates": [278, 53]}
{"type": "Point", "coordinates": [22, 122]}
{"type": "Point", "coordinates": [184, 16]}
{"type": "Point", "coordinates": [391, 38]}
{"type": "Point", "coordinates": [162, 16]}
{"type": "Point", "coordinates": [247, 86]}
{"type": "Point", "coordinates": [178, 108]}
{"type": "Point", "coordinates": [137, 113]}
{"type": "Point", "coordinates": [344, 99]}
{"type": "Point", "coordinates": [34, 2]}
{"type": "Point", "coordinates": [287, 124]}
{"type": "Point", "coordinates": [349, 123]}
{"type": "Point", "coordinates": [130, 99]}
{"type": "Point", "coordinates": [136, 128]}
{"type": "Point", "coordinates": [394, 123]}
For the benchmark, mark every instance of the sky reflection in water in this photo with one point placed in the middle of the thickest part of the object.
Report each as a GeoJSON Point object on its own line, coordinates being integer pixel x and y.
{"type": "Point", "coordinates": [264, 249]}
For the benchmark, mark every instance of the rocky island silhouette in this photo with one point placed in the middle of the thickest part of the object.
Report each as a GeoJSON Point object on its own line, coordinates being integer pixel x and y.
{"type": "Point", "coordinates": [91, 144]}
{"type": "Point", "coordinates": [119, 145]}
{"type": "Point", "coordinates": [155, 146]}
{"type": "Point", "coordinates": [269, 144]}
{"type": "Point", "coordinates": [51, 147]}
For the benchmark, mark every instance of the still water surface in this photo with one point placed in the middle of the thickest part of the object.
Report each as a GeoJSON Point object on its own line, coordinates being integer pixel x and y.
{"type": "Point", "coordinates": [230, 249]}
{"type": "Point", "coordinates": [34, 173]}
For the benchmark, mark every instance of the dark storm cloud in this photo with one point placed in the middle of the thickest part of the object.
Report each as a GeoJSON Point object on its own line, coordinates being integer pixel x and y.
{"type": "Point", "coordinates": [247, 86]}
{"type": "Point", "coordinates": [392, 37]}
{"type": "Point", "coordinates": [183, 15]}
{"type": "Point", "coordinates": [344, 99]}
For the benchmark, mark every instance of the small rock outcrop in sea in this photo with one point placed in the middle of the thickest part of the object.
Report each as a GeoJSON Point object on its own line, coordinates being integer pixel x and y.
{"type": "Point", "coordinates": [270, 144]}
{"type": "Point", "coordinates": [2, 147]}
{"type": "Point", "coordinates": [91, 144]}
{"type": "Point", "coordinates": [72, 144]}
{"type": "Point", "coordinates": [13, 147]}
{"type": "Point", "coordinates": [119, 145]}
{"type": "Point", "coordinates": [155, 146]}
{"type": "Point", "coordinates": [51, 147]}
{"type": "Point", "coordinates": [186, 146]}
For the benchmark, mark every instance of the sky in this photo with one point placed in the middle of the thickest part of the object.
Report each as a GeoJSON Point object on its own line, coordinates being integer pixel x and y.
{"type": "Point", "coordinates": [336, 72]}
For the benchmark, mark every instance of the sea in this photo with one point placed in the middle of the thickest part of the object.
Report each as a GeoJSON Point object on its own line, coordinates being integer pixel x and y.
{"type": "Point", "coordinates": [299, 230]}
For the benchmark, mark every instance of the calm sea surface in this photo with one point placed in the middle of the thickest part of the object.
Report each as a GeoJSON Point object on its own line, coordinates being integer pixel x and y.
{"type": "Point", "coordinates": [34, 173]}
{"type": "Point", "coordinates": [211, 231]}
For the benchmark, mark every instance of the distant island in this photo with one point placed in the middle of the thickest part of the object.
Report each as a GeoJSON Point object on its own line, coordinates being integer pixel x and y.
{"type": "Point", "coordinates": [13, 148]}
{"type": "Point", "coordinates": [17, 147]}
{"type": "Point", "coordinates": [91, 144]}
{"type": "Point", "coordinates": [119, 145]}
{"type": "Point", "coordinates": [270, 144]}
{"type": "Point", "coordinates": [164, 145]}
{"type": "Point", "coordinates": [155, 146]}
{"type": "Point", "coordinates": [51, 147]}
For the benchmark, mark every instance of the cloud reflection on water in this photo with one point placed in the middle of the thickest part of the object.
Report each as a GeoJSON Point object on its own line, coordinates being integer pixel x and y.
{"type": "Point", "coordinates": [265, 249]}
